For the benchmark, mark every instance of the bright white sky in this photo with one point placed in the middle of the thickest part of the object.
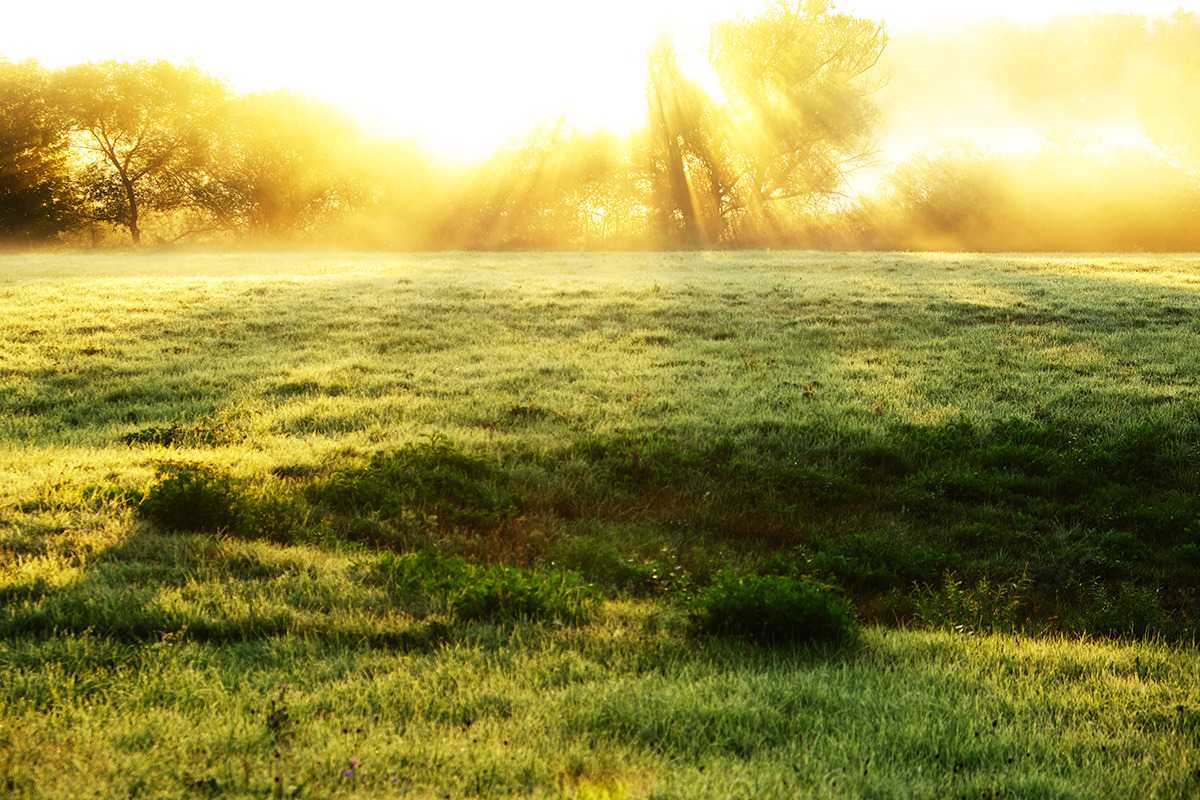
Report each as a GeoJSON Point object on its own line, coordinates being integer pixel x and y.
{"type": "Point", "coordinates": [462, 75]}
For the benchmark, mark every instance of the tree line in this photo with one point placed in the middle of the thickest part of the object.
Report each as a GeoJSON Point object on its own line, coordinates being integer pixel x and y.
{"type": "Point", "coordinates": [112, 152]}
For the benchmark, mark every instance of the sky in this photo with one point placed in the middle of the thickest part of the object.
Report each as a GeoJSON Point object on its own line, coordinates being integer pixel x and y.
{"type": "Point", "coordinates": [460, 77]}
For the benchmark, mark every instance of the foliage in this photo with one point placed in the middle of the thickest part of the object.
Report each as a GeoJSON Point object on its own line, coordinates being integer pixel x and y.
{"type": "Point", "coordinates": [797, 120]}
{"type": "Point", "coordinates": [557, 187]}
{"type": "Point", "coordinates": [768, 157]}
{"type": "Point", "coordinates": [36, 199]}
{"type": "Point", "coordinates": [140, 127]}
{"type": "Point", "coordinates": [1070, 194]}
{"type": "Point", "coordinates": [982, 608]}
{"type": "Point", "coordinates": [772, 609]}
{"type": "Point", "coordinates": [280, 166]}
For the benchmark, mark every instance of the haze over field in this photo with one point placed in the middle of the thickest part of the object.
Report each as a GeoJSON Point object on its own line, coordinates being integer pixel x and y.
{"type": "Point", "coordinates": [461, 78]}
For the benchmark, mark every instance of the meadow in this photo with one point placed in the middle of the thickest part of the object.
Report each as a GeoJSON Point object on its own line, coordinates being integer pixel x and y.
{"type": "Point", "coordinates": [742, 524]}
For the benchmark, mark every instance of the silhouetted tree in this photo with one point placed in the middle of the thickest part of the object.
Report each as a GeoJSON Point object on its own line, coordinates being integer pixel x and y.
{"type": "Point", "coordinates": [801, 109]}
{"type": "Point", "coordinates": [796, 120]}
{"type": "Point", "coordinates": [140, 128]}
{"type": "Point", "coordinates": [36, 199]}
{"type": "Point", "coordinates": [678, 111]}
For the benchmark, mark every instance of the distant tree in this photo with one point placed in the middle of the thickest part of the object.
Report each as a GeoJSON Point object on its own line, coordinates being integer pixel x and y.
{"type": "Point", "coordinates": [393, 192]}
{"type": "Point", "coordinates": [681, 116]}
{"type": "Point", "coordinates": [36, 198]}
{"type": "Point", "coordinates": [803, 114]}
{"type": "Point", "coordinates": [948, 197]}
{"type": "Point", "coordinates": [558, 187]}
{"type": "Point", "coordinates": [140, 129]}
{"type": "Point", "coordinates": [280, 165]}
{"type": "Point", "coordinates": [797, 118]}
{"type": "Point", "coordinates": [1169, 110]}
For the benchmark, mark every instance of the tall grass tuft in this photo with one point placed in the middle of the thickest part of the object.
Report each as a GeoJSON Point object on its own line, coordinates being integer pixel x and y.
{"type": "Point", "coordinates": [772, 609]}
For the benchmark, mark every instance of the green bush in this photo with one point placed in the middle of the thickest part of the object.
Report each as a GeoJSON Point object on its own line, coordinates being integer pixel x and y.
{"type": "Point", "coordinates": [771, 608]}
{"type": "Point", "coordinates": [196, 498]}
{"type": "Point", "coordinates": [1128, 610]}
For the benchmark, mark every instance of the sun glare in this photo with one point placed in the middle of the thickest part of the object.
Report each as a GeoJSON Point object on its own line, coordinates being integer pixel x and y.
{"type": "Point", "coordinates": [460, 78]}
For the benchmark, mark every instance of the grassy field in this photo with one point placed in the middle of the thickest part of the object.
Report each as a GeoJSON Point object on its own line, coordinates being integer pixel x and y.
{"type": "Point", "coordinates": [545, 525]}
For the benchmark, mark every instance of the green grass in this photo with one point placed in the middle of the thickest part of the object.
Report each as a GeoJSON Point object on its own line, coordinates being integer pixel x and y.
{"type": "Point", "coordinates": [590, 525]}
{"type": "Point", "coordinates": [622, 708]}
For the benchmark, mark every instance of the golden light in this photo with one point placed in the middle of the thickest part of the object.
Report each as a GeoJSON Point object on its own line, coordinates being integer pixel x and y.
{"type": "Point", "coordinates": [462, 77]}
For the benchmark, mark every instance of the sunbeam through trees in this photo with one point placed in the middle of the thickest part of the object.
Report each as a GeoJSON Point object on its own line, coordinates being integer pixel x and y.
{"type": "Point", "coordinates": [812, 128]}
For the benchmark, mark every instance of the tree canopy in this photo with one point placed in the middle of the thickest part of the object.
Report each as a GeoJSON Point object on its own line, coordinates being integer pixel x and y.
{"type": "Point", "coordinates": [37, 201]}
{"type": "Point", "coordinates": [139, 128]}
{"type": "Point", "coordinates": [797, 117]}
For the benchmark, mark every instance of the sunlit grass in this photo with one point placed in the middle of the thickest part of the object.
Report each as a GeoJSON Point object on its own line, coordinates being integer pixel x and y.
{"type": "Point", "coordinates": [620, 709]}
{"type": "Point", "coordinates": [641, 420]}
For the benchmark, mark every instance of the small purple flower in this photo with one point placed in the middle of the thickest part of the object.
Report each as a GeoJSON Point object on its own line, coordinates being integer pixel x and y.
{"type": "Point", "coordinates": [348, 773]}
{"type": "Point", "coordinates": [283, 687]}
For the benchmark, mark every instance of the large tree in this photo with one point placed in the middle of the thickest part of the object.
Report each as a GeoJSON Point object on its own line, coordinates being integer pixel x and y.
{"type": "Point", "coordinates": [679, 112]}
{"type": "Point", "coordinates": [140, 128]}
{"type": "Point", "coordinates": [797, 118]}
{"type": "Point", "coordinates": [36, 199]}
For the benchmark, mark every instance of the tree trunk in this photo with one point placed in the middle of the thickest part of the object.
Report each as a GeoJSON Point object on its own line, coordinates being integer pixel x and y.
{"type": "Point", "coordinates": [131, 196]}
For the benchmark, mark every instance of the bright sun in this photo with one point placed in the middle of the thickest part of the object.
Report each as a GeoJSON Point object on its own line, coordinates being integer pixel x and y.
{"type": "Point", "coordinates": [460, 77]}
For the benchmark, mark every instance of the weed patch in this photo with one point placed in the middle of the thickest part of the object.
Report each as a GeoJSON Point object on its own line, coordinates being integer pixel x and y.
{"type": "Point", "coordinates": [432, 481]}
{"type": "Point", "coordinates": [982, 608]}
{"type": "Point", "coordinates": [191, 497]}
{"type": "Point", "coordinates": [771, 609]}
{"type": "Point", "coordinates": [490, 593]}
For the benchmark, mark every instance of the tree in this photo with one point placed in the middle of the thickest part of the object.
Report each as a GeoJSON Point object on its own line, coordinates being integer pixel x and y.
{"type": "Point", "coordinates": [279, 166]}
{"type": "Point", "coordinates": [949, 197]}
{"type": "Point", "coordinates": [804, 114]}
{"type": "Point", "coordinates": [558, 187]}
{"type": "Point", "coordinates": [36, 200]}
{"type": "Point", "coordinates": [1169, 109]}
{"type": "Point", "coordinates": [140, 129]}
{"type": "Point", "coordinates": [797, 119]}
{"type": "Point", "coordinates": [678, 112]}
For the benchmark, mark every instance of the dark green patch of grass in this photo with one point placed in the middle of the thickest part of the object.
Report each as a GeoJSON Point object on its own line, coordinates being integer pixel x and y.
{"type": "Point", "coordinates": [431, 481]}
{"type": "Point", "coordinates": [492, 593]}
{"type": "Point", "coordinates": [772, 609]}
{"type": "Point", "coordinates": [880, 513]}
{"type": "Point", "coordinates": [191, 497]}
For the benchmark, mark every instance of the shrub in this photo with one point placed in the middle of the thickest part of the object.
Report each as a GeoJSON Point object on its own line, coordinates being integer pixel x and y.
{"type": "Point", "coordinates": [1129, 610]}
{"type": "Point", "coordinates": [196, 498]}
{"type": "Point", "coordinates": [771, 608]}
